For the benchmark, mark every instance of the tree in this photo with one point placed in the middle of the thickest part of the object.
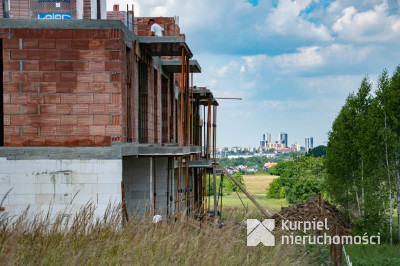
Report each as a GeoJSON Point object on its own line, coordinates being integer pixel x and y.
{"type": "Point", "coordinates": [318, 151]}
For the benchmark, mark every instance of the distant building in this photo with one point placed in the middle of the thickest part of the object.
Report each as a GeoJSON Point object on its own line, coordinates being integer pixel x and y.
{"type": "Point", "coordinates": [267, 137]}
{"type": "Point", "coordinates": [268, 165]}
{"type": "Point", "coordinates": [309, 143]}
{"type": "Point", "coordinates": [283, 139]}
{"type": "Point", "coordinates": [296, 146]}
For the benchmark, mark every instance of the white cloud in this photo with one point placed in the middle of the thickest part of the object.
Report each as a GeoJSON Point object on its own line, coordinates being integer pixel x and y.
{"type": "Point", "coordinates": [285, 19]}
{"type": "Point", "coordinates": [374, 25]}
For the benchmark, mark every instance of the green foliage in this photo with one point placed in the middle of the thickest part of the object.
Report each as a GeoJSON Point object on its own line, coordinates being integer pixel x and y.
{"type": "Point", "coordinates": [227, 185]}
{"type": "Point", "coordinates": [318, 151]}
{"type": "Point", "coordinates": [280, 167]}
{"type": "Point", "coordinates": [363, 154]}
{"type": "Point", "coordinates": [299, 179]}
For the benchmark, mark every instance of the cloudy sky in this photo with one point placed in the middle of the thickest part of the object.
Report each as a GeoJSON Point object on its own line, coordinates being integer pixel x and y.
{"type": "Point", "coordinates": [292, 62]}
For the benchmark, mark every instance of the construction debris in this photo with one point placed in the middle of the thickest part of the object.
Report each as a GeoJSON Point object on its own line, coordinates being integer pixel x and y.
{"type": "Point", "coordinates": [310, 211]}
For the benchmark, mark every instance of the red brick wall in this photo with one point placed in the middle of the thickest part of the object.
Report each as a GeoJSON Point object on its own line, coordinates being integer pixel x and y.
{"type": "Point", "coordinates": [168, 23]}
{"type": "Point", "coordinates": [64, 87]}
{"type": "Point", "coordinates": [19, 9]}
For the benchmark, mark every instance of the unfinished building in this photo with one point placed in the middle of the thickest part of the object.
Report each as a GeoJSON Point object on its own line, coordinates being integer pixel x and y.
{"type": "Point", "coordinates": [99, 111]}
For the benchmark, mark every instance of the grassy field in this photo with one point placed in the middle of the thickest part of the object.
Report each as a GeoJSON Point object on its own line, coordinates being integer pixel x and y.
{"type": "Point", "coordinates": [85, 240]}
{"type": "Point", "coordinates": [232, 207]}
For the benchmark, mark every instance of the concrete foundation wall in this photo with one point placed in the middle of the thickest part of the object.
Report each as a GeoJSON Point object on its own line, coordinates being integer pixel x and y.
{"type": "Point", "coordinates": [60, 183]}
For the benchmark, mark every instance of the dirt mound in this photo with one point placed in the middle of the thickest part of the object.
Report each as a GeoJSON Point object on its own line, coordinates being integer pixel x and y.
{"type": "Point", "coordinates": [310, 211]}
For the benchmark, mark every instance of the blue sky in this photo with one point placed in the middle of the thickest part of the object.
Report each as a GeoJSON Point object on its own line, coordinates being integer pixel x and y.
{"type": "Point", "coordinates": [292, 62]}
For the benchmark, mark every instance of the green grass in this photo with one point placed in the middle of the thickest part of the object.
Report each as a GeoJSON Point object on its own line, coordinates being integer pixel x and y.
{"type": "Point", "coordinates": [382, 254]}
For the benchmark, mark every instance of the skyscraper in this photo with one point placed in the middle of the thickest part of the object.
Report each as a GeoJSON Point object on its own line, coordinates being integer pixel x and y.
{"type": "Point", "coordinates": [309, 143]}
{"type": "Point", "coordinates": [283, 139]}
{"type": "Point", "coordinates": [267, 137]}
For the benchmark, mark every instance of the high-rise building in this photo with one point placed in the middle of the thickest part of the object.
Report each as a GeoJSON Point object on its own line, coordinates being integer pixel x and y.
{"type": "Point", "coordinates": [309, 143]}
{"type": "Point", "coordinates": [267, 137]}
{"type": "Point", "coordinates": [283, 139]}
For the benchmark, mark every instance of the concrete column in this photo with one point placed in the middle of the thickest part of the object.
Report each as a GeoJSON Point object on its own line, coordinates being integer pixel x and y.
{"type": "Point", "coordinates": [79, 9]}
{"type": "Point", "coordinates": [151, 183]}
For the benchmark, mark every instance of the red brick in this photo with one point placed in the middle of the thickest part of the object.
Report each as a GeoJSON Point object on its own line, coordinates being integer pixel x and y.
{"type": "Point", "coordinates": [30, 66]}
{"type": "Point", "coordinates": [30, 131]}
{"type": "Point", "coordinates": [67, 34]}
{"type": "Point", "coordinates": [80, 66]}
{"type": "Point", "coordinates": [64, 109]}
{"type": "Point", "coordinates": [102, 140]}
{"type": "Point", "coordinates": [47, 109]}
{"type": "Point", "coordinates": [35, 76]}
{"type": "Point", "coordinates": [11, 130]}
{"type": "Point", "coordinates": [29, 87]}
{"type": "Point", "coordinates": [51, 76]}
{"type": "Point", "coordinates": [85, 120]}
{"type": "Point", "coordinates": [96, 44]}
{"type": "Point", "coordinates": [11, 87]}
{"type": "Point", "coordinates": [113, 130]}
{"type": "Point", "coordinates": [96, 66]}
{"type": "Point", "coordinates": [85, 55]}
{"type": "Point", "coordinates": [96, 87]}
{"type": "Point", "coordinates": [66, 87]}
{"type": "Point", "coordinates": [49, 87]}
{"type": "Point", "coordinates": [35, 98]}
{"type": "Point", "coordinates": [48, 130]}
{"type": "Point", "coordinates": [68, 98]}
{"type": "Point", "coordinates": [84, 98]}
{"type": "Point", "coordinates": [11, 43]}
{"type": "Point", "coordinates": [11, 65]}
{"type": "Point", "coordinates": [63, 44]}
{"type": "Point", "coordinates": [101, 119]}
{"type": "Point", "coordinates": [7, 120]}
{"type": "Point", "coordinates": [47, 44]}
{"type": "Point", "coordinates": [80, 130]}
{"type": "Point", "coordinates": [53, 34]}
{"type": "Point", "coordinates": [112, 44]}
{"type": "Point", "coordinates": [52, 98]}
{"type": "Point", "coordinates": [115, 77]}
{"type": "Point", "coordinates": [36, 33]}
{"type": "Point", "coordinates": [116, 98]}
{"type": "Point", "coordinates": [83, 34]}
{"type": "Point", "coordinates": [6, 98]}
{"type": "Point", "coordinates": [80, 108]}
{"type": "Point", "coordinates": [80, 44]}
{"type": "Point", "coordinates": [33, 141]}
{"type": "Point", "coordinates": [29, 109]}
{"type": "Point", "coordinates": [87, 141]}
{"type": "Point", "coordinates": [69, 55]}
{"type": "Point", "coordinates": [97, 130]}
{"type": "Point", "coordinates": [82, 87]}
{"type": "Point", "coordinates": [53, 55]}
{"type": "Point", "coordinates": [101, 34]}
{"type": "Point", "coordinates": [69, 119]}
{"type": "Point", "coordinates": [114, 109]}
{"type": "Point", "coordinates": [30, 43]}
{"type": "Point", "coordinates": [64, 130]}
{"type": "Point", "coordinates": [112, 87]}
{"type": "Point", "coordinates": [101, 77]}
{"type": "Point", "coordinates": [19, 77]}
{"type": "Point", "coordinates": [85, 77]}
{"type": "Point", "coordinates": [19, 33]}
{"type": "Point", "coordinates": [64, 66]}
{"type": "Point", "coordinates": [97, 109]}
{"type": "Point", "coordinates": [35, 54]}
{"type": "Point", "coordinates": [102, 55]}
{"type": "Point", "coordinates": [113, 66]}
{"type": "Point", "coordinates": [19, 98]}
{"type": "Point", "coordinates": [6, 76]}
{"type": "Point", "coordinates": [47, 65]}
{"type": "Point", "coordinates": [68, 76]}
{"type": "Point", "coordinates": [4, 33]}
{"type": "Point", "coordinates": [19, 54]}
{"type": "Point", "coordinates": [101, 98]}
{"type": "Point", "coordinates": [35, 120]}
{"type": "Point", "coordinates": [11, 109]}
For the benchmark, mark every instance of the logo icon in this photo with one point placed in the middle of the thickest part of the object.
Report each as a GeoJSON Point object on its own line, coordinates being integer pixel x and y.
{"type": "Point", "coordinates": [260, 232]}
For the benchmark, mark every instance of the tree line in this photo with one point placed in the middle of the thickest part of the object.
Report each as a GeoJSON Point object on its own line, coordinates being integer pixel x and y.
{"type": "Point", "coordinates": [363, 153]}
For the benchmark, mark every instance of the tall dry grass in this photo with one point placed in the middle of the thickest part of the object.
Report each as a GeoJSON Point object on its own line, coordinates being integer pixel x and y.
{"type": "Point", "coordinates": [84, 239]}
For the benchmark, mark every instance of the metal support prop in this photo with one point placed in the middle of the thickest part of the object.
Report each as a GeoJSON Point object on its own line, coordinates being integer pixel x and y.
{"type": "Point", "coordinates": [154, 185]}
{"type": "Point", "coordinates": [168, 174]}
{"type": "Point", "coordinates": [179, 184]}
{"type": "Point", "coordinates": [186, 181]}
{"type": "Point", "coordinates": [215, 192]}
